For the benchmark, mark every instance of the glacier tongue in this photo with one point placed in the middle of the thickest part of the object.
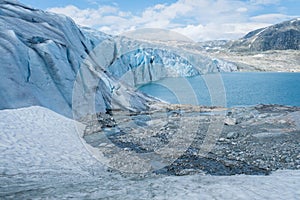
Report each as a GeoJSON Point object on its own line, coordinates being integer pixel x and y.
{"type": "Point", "coordinates": [42, 53]}
{"type": "Point", "coordinates": [45, 54]}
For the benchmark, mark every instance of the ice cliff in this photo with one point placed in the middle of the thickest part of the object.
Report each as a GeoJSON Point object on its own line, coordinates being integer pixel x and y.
{"type": "Point", "coordinates": [145, 65]}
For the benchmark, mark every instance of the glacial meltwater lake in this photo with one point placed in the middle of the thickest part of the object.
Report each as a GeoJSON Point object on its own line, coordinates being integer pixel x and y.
{"type": "Point", "coordinates": [241, 89]}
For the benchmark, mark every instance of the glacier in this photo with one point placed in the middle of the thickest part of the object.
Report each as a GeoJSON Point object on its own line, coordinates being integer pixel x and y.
{"type": "Point", "coordinates": [44, 56]}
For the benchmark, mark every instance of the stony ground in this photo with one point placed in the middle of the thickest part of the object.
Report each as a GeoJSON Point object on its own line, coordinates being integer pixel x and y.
{"type": "Point", "coordinates": [182, 140]}
{"type": "Point", "coordinates": [43, 157]}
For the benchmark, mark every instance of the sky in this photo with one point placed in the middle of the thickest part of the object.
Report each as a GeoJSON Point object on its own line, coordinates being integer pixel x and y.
{"type": "Point", "coordinates": [199, 20]}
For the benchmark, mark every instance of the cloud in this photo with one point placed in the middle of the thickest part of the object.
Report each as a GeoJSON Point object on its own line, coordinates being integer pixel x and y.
{"type": "Point", "coordinates": [264, 2]}
{"type": "Point", "coordinates": [106, 18]}
{"type": "Point", "coordinates": [198, 19]}
{"type": "Point", "coordinates": [242, 9]}
{"type": "Point", "coordinates": [214, 31]}
{"type": "Point", "coordinates": [271, 18]}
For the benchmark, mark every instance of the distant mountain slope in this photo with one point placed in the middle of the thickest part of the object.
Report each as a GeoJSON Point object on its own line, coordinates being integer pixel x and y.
{"type": "Point", "coordinates": [282, 36]}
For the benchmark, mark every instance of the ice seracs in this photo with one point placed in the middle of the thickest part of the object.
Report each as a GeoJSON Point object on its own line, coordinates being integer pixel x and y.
{"type": "Point", "coordinates": [146, 65]}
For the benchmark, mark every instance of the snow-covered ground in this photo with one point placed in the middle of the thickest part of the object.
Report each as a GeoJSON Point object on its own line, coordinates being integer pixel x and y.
{"type": "Point", "coordinates": [41, 156]}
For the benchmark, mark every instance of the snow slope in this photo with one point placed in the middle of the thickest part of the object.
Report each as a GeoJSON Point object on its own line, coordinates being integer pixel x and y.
{"type": "Point", "coordinates": [42, 157]}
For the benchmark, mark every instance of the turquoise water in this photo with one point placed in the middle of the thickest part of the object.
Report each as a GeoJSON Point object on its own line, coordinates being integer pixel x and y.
{"type": "Point", "coordinates": [241, 89]}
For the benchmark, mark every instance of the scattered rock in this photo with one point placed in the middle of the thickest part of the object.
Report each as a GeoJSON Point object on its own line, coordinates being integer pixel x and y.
{"type": "Point", "coordinates": [267, 134]}
{"type": "Point", "coordinates": [242, 148]}
{"type": "Point", "coordinates": [190, 172]}
{"type": "Point", "coordinates": [232, 135]}
{"type": "Point", "coordinates": [102, 144]}
{"type": "Point", "coordinates": [230, 121]}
